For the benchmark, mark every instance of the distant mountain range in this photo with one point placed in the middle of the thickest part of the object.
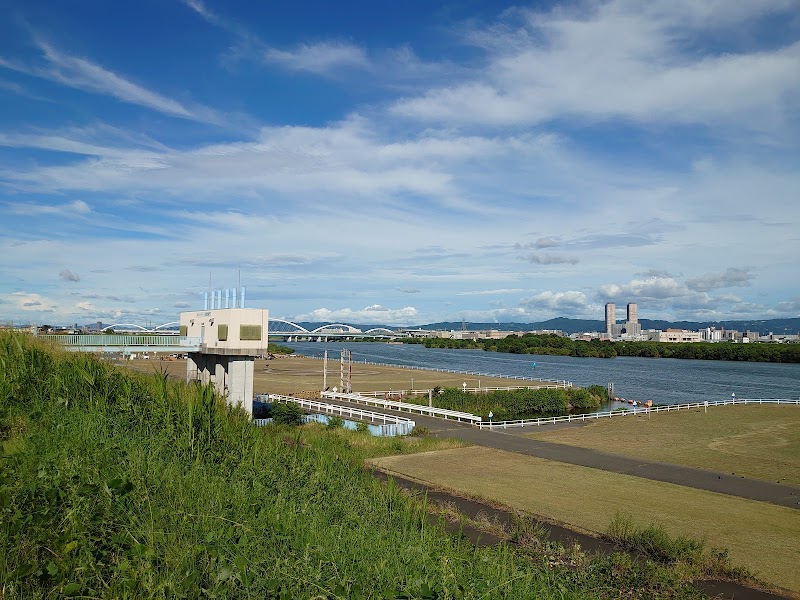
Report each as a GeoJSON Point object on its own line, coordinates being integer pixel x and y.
{"type": "Point", "coordinates": [763, 327]}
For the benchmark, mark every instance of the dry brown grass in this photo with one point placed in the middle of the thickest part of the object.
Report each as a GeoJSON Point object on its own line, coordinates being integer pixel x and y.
{"type": "Point", "coordinates": [761, 442]}
{"type": "Point", "coordinates": [762, 537]}
{"type": "Point", "coordinates": [295, 374]}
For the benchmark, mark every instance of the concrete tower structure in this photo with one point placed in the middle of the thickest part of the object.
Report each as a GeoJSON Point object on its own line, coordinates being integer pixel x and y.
{"type": "Point", "coordinates": [611, 317]}
{"type": "Point", "coordinates": [230, 339]}
{"type": "Point", "coordinates": [633, 313]}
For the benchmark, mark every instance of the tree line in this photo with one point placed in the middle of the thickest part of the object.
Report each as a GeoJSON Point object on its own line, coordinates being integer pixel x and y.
{"type": "Point", "coordinates": [552, 344]}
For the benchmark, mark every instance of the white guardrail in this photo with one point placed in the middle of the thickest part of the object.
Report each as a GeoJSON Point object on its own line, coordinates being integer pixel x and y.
{"type": "Point", "coordinates": [431, 411]}
{"type": "Point", "coordinates": [341, 411]}
{"type": "Point", "coordinates": [559, 383]}
{"type": "Point", "coordinates": [625, 412]}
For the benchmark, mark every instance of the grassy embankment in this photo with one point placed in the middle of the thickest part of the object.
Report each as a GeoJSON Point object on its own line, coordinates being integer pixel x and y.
{"type": "Point", "coordinates": [762, 442]}
{"type": "Point", "coordinates": [119, 485]}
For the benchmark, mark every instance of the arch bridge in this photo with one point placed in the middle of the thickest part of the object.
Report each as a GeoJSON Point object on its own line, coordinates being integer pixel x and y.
{"type": "Point", "coordinates": [287, 330]}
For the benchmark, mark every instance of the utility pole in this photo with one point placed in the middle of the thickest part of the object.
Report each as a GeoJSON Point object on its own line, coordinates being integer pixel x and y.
{"type": "Point", "coordinates": [325, 371]}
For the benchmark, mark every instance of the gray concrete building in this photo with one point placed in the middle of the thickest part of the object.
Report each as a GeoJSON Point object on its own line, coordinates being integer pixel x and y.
{"type": "Point", "coordinates": [611, 317]}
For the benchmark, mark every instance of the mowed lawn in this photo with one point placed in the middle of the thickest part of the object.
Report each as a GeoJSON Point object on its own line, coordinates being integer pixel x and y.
{"type": "Point", "coordinates": [763, 537]}
{"type": "Point", "coordinates": [762, 442]}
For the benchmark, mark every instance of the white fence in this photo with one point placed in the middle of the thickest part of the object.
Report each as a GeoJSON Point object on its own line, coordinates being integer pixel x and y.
{"type": "Point", "coordinates": [110, 339]}
{"type": "Point", "coordinates": [431, 411]}
{"type": "Point", "coordinates": [626, 412]}
{"type": "Point", "coordinates": [401, 425]}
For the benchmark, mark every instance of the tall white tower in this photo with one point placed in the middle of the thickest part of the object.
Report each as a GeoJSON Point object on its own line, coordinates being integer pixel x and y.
{"type": "Point", "coordinates": [633, 313]}
{"type": "Point", "coordinates": [611, 317]}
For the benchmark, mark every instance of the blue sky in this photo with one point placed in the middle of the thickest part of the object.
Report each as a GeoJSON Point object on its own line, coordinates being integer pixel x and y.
{"type": "Point", "coordinates": [400, 162]}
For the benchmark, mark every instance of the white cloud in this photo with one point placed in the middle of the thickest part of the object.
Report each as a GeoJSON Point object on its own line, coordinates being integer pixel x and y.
{"type": "Point", "coordinates": [83, 74]}
{"type": "Point", "coordinates": [75, 208]}
{"type": "Point", "coordinates": [570, 301]}
{"type": "Point", "coordinates": [637, 290]}
{"type": "Point", "coordinates": [68, 275]}
{"type": "Point", "coordinates": [616, 60]}
{"type": "Point", "coordinates": [497, 292]}
{"type": "Point", "coordinates": [371, 315]}
{"type": "Point", "coordinates": [541, 258]}
{"type": "Point", "coordinates": [322, 57]}
{"type": "Point", "coordinates": [27, 302]}
{"type": "Point", "coordinates": [731, 277]}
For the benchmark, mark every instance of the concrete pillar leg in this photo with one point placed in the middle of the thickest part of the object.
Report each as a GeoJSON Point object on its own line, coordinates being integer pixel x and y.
{"type": "Point", "coordinates": [240, 382]}
{"type": "Point", "coordinates": [221, 375]}
{"type": "Point", "coordinates": [191, 366]}
{"type": "Point", "coordinates": [205, 372]}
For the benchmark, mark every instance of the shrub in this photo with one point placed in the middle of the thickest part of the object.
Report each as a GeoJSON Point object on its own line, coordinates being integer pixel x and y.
{"type": "Point", "coordinates": [581, 399]}
{"type": "Point", "coordinates": [334, 422]}
{"type": "Point", "coordinates": [287, 414]}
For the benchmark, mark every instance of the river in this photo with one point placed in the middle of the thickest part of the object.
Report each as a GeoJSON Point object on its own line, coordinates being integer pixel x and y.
{"type": "Point", "coordinates": [663, 380]}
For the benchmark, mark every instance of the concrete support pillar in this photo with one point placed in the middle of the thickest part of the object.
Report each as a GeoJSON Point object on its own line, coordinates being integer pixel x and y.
{"type": "Point", "coordinates": [240, 381]}
{"type": "Point", "coordinates": [232, 376]}
{"type": "Point", "coordinates": [220, 374]}
{"type": "Point", "coordinates": [192, 366]}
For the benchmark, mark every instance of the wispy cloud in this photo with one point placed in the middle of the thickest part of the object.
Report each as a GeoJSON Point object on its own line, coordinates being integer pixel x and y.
{"type": "Point", "coordinates": [541, 258]}
{"type": "Point", "coordinates": [322, 57]}
{"type": "Point", "coordinates": [76, 208]}
{"type": "Point", "coordinates": [83, 74]}
{"type": "Point", "coordinates": [616, 60]}
{"type": "Point", "coordinates": [731, 277]}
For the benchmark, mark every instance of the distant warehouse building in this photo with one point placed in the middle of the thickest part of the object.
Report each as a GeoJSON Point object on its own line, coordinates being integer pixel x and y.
{"type": "Point", "coordinates": [674, 336]}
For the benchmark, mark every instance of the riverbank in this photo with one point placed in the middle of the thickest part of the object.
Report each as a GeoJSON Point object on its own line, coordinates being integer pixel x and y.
{"type": "Point", "coordinates": [300, 374]}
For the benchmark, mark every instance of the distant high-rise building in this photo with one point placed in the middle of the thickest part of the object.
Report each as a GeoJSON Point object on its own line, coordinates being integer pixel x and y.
{"type": "Point", "coordinates": [633, 313]}
{"type": "Point", "coordinates": [611, 317]}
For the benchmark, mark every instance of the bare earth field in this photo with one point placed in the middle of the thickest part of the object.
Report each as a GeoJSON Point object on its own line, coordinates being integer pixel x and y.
{"type": "Point", "coordinates": [762, 442]}
{"type": "Point", "coordinates": [760, 536]}
{"type": "Point", "coordinates": [295, 374]}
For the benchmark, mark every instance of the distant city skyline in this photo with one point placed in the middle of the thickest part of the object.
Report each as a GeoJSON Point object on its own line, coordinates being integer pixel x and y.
{"type": "Point", "coordinates": [400, 163]}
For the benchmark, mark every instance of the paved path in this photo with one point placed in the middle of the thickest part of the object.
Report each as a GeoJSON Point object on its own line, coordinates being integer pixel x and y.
{"type": "Point", "coordinates": [723, 483]}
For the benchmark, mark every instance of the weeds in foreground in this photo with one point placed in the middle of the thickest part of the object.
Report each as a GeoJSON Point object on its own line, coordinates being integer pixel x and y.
{"type": "Point", "coordinates": [653, 541]}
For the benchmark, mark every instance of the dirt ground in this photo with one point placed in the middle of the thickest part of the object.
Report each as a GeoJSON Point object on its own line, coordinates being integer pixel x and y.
{"type": "Point", "coordinates": [297, 374]}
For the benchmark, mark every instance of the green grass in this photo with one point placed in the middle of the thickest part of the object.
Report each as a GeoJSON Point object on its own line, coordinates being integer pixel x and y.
{"type": "Point", "coordinates": [762, 442]}
{"type": "Point", "coordinates": [129, 486]}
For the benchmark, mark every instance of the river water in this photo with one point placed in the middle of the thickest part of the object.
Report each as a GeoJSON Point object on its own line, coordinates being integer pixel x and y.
{"type": "Point", "coordinates": [662, 380]}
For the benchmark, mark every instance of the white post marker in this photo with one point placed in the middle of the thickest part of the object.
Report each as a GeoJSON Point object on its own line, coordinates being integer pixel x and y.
{"type": "Point", "coordinates": [705, 404]}
{"type": "Point", "coordinates": [464, 386]}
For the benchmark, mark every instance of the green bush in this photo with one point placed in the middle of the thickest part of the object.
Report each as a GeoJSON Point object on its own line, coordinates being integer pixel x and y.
{"type": "Point", "coordinates": [334, 422]}
{"type": "Point", "coordinates": [580, 398]}
{"type": "Point", "coordinates": [288, 413]}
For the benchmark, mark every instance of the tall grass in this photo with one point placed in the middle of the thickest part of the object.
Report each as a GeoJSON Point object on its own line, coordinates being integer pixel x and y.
{"type": "Point", "coordinates": [653, 541]}
{"type": "Point", "coordinates": [121, 485]}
